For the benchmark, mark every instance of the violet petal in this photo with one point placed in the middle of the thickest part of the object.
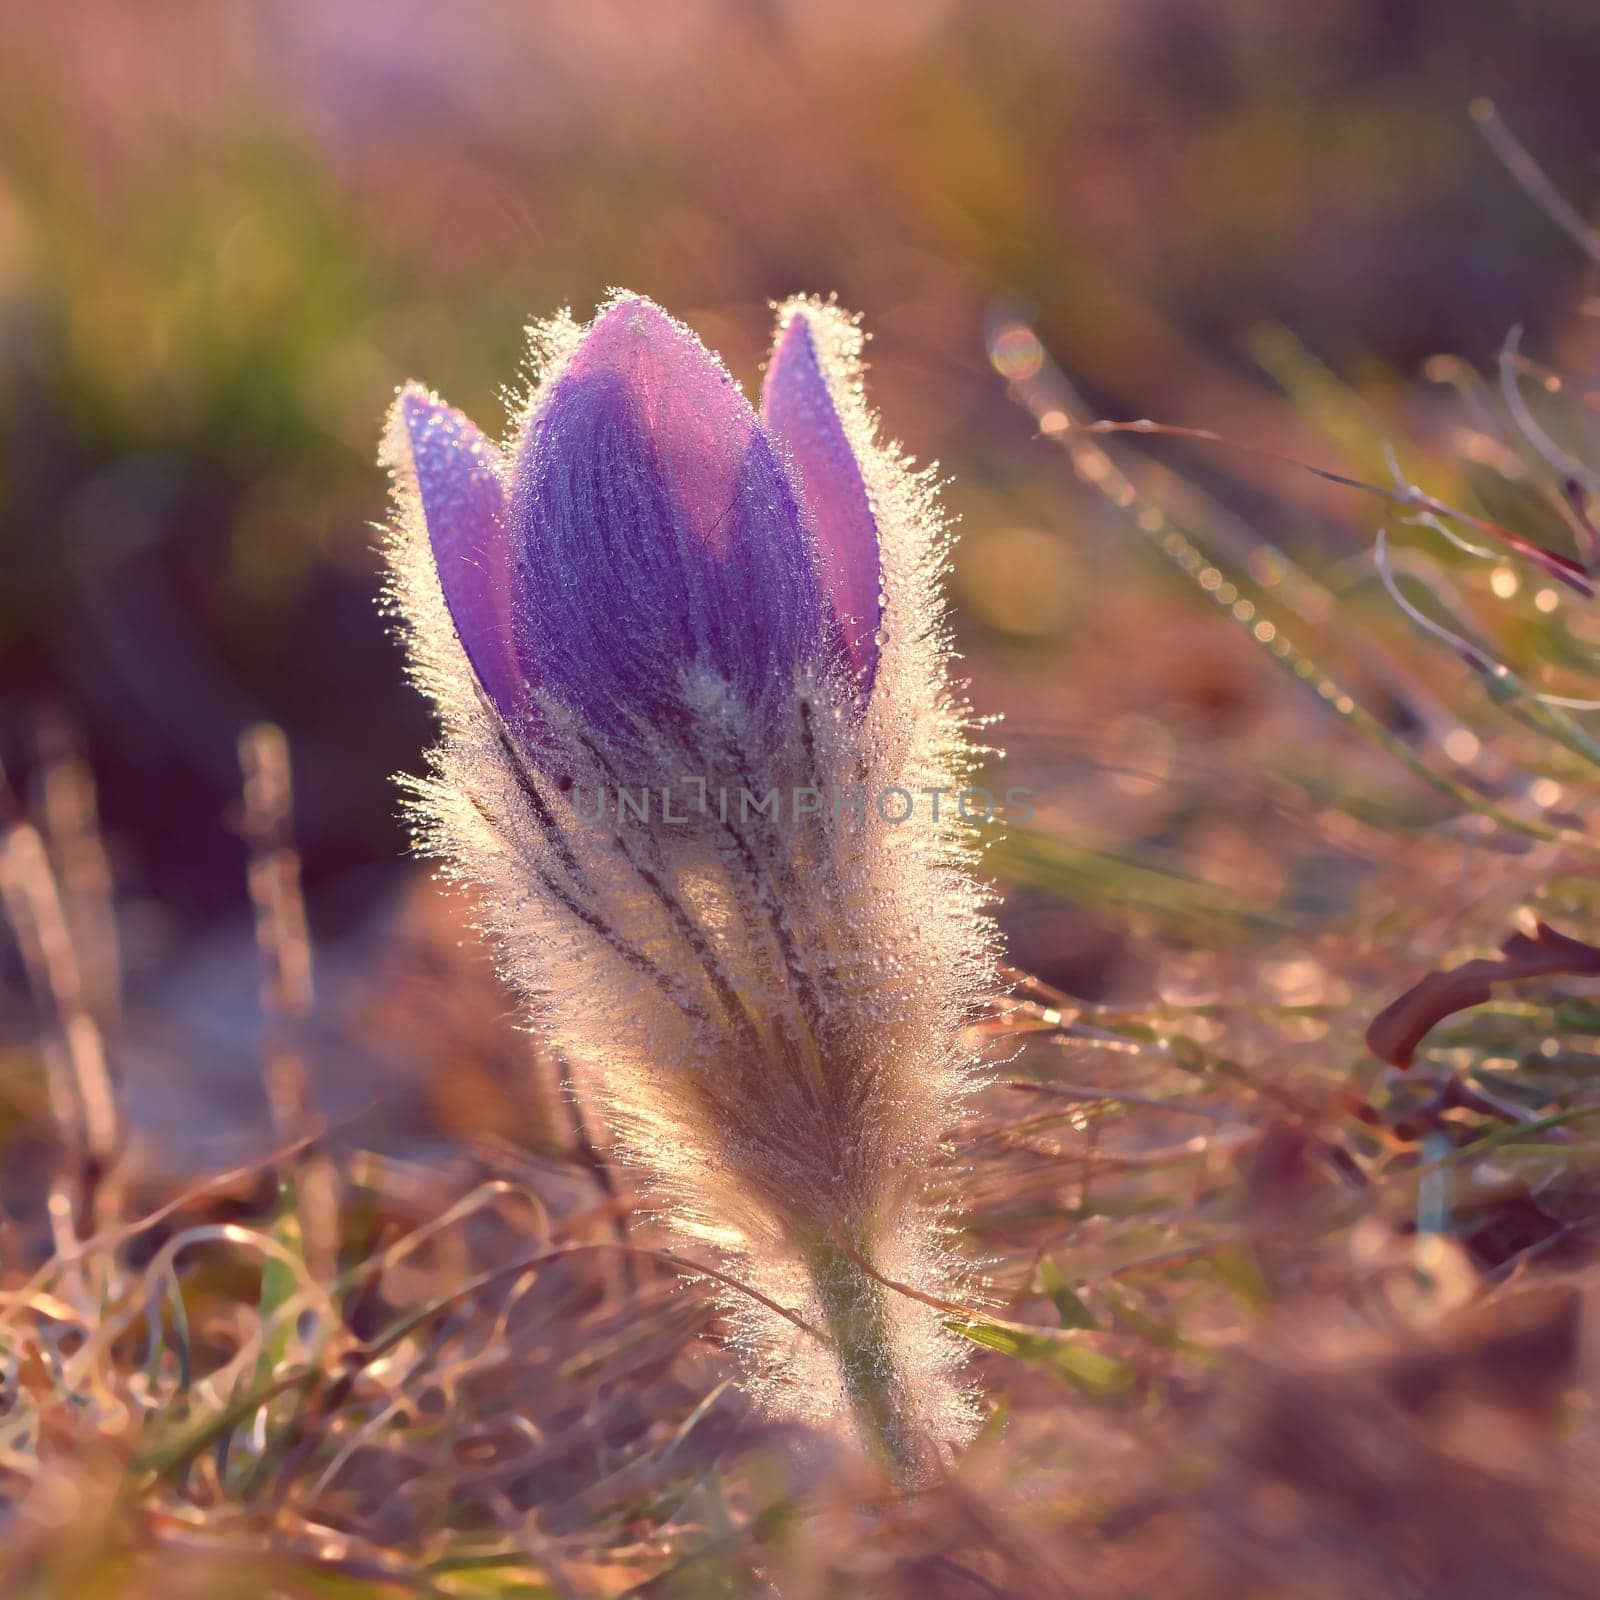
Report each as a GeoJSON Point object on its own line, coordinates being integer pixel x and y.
{"type": "Point", "coordinates": [799, 411]}
{"type": "Point", "coordinates": [463, 504]}
{"type": "Point", "coordinates": [657, 532]}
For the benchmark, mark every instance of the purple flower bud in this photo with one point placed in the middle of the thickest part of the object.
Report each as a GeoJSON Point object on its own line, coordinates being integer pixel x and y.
{"type": "Point", "coordinates": [798, 407]}
{"type": "Point", "coordinates": [650, 531]}
{"type": "Point", "coordinates": [656, 534]}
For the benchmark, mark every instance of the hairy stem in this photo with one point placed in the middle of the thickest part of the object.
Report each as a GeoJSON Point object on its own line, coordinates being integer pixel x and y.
{"type": "Point", "coordinates": [859, 1320]}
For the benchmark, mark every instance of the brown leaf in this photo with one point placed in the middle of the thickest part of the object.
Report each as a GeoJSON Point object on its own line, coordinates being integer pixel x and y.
{"type": "Point", "coordinates": [1394, 1034]}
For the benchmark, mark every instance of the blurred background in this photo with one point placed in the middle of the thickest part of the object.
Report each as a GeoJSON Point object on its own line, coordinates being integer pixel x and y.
{"type": "Point", "coordinates": [228, 231]}
{"type": "Point", "coordinates": [1271, 1316]}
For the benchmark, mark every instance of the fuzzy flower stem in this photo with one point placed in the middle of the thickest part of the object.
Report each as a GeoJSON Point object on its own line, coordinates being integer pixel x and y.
{"type": "Point", "coordinates": [859, 1320]}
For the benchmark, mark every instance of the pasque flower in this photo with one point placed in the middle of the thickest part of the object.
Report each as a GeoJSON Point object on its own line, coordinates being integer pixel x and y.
{"type": "Point", "coordinates": [679, 653]}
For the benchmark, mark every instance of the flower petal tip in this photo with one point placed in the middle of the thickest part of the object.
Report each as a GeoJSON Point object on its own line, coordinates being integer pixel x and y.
{"type": "Point", "coordinates": [454, 470]}
{"type": "Point", "coordinates": [800, 408]}
{"type": "Point", "coordinates": [663, 366]}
